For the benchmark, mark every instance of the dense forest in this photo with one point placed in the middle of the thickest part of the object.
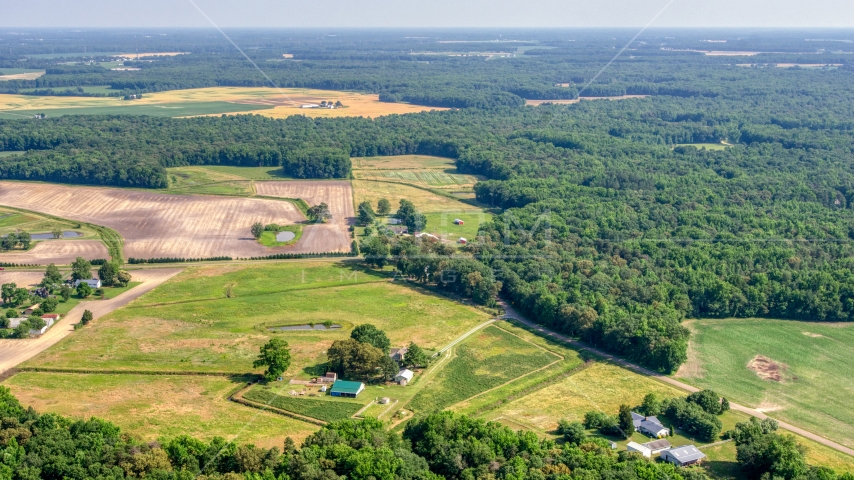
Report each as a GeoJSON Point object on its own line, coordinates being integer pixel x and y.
{"type": "Point", "coordinates": [612, 228]}
{"type": "Point", "coordinates": [47, 446]}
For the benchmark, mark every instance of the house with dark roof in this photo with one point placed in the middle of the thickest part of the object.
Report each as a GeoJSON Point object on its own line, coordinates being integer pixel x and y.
{"type": "Point", "coordinates": [651, 426]}
{"type": "Point", "coordinates": [683, 456]}
{"type": "Point", "coordinates": [344, 388]}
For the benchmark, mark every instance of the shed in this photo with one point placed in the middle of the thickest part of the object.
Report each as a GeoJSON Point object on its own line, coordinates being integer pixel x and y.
{"type": "Point", "coordinates": [51, 316]}
{"type": "Point", "coordinates": [637, 447]}
{"type": "Point", "coordinates": [344, 388]}
{"type": "Point", "coordinates": [29, 311]}
{"type": "Point", "coordinates": [95, 283]}
{"type": "Point", "coordinates": [398, 229]}
{"type": "Point", "coordinates": [463, 241]}
{"type": "Point", "coordinates": [330, 377]}
{"type": "Point", "coordinates": [683, 456]}
{"type": "Point", "coordinates": [384, 401]}
{"type": "Point", "coordinates": [404, 376]}
{"type": "Point", "coordinates": [14, 322]}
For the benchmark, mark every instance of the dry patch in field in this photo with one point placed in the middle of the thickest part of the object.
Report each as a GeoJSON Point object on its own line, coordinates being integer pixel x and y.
{"type": "Point", "coordinates": [285, 102]}
{"type": "Point", "coordinates": [338, 195]}
{"type": "Point", "coordinates": [22, 279]}
{"type": "Point", "coordinates": [161, 225]}
{"type": "Point", "coordinates": [693, 367]}
{"type": "Point", "coordinates": [60, 252]}
{"type": "Point", "coordinates": [22, 76]}
{"type": "Point", "coordinates": [768, 369]}
{"type": "Point", "coordinates": [813, 335]}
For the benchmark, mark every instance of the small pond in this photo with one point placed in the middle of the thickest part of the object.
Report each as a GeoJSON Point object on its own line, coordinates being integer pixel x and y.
{"type": "Point", "coordinates": [285, 236]}
{"type": "Point", "coordinates": [316, 326]}
{"type": "Point", "coordinates": [49, 236]}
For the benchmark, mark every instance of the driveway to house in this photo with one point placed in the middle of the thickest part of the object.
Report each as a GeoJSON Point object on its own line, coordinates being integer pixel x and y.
{"type": "Point", "coordinates": [514, 315]}
{"type": "Point", "coordinates": [16, 352]}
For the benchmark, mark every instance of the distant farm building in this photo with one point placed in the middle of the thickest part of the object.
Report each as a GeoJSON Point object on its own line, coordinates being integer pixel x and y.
{"type": "Point", "coordinates": [14, 322]}
{"type": "Point", "coordinates": [47, 324]}
{"type": "Point", "coordinates": [463, 241]}
{"type": "Point", "coordinates": [394, 221]}
{"type": "Point", "coordinates": [683, 456]}
{"type": "Point", "coordinates": [344, 388]}
{"type": "Point", "coordinates": [92, 283]}
{"type": "Point", "coordinates": [398, 354]}
{"type": "Point", "coordinates": [54, 317]}
{"type": "Point", "coordinates": [330, 377]}
{"type": "Point", "coordinates": [651, 426]}
{"type": "Point", "coordinates": [403, 377]}
{"type": "Point", "coordinates": [398, 229]}
{"type": "Point", "coordinates": [384, 401]}
{"type": "Point", "coordinates": [309, 105]}
{"type": "Point", "coordinates": [29, 311]}
{"type": "Point", "coordinates": [459, 222]}
{"type": "Point", "coordinates": [658, 446]}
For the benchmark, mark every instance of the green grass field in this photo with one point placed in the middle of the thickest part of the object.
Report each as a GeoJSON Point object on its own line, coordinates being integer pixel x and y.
{"type": "Point", "coordinates": [488, 359]}
{"type": "Point", "coordinates": [105, 89]}
{"type": "Point", "coordinates": [430, 178]}
{"type": "Point", "coordinates": [249, 173]}
{"type": "Point", "coordinates": [216, 318]}
{"type": "Point", "coordinates": [161, 110]}
{"type": "Point", "coordinates": [403, 162]}
{"type": "Point", "coordinates": [10, 154]}
{"type": "Point", "coordinates": [154, 406]}
{"type": "Point", "coordinates": [18, 71]}
{"type": "Point", "coordinates": [12, 220]}
{"type": "Point", "coordinates": [817, 369]}
{"type": "Point", "coordinates": [326, 409]}
{"type": "Point", "coordinates": [268, 239]}
{"type": "Point", "coordinates": [203, 181]}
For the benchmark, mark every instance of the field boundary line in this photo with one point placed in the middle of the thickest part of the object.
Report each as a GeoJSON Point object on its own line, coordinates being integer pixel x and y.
{"type": "Point", "coordinates": [467, 334]}
{"type": "Point", "coordinates": [172, 373]}
{"type": "Point", "coordinates": [532, 343]}
{"type": "Point", "coordinates": [359, 412]}
{"type": "Point", "coordinates": [387, 409]}
{"type": "Point", "coordinates": [715, 444]}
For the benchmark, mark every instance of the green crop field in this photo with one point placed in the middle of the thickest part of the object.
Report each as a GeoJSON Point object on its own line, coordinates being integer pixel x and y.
{"type": "Point", "coordinates": [215, 318]}
{"type": "Point", "coordinates": [160, 110]}
{"type": "Point", "coordinates": [442, 224]}
{"type": "Point", "coordinates": [105, 89]}
{"type": "Point", "coordinates": [10, 153]}
{"type": "Point", "coordinates": [200, 181]}
{"type": "Point", "coordinates": [249, 173]}
{"type": "Point", "coordinates": [430, 178]}
{"type": "Point", "coordinates": [327, 409]}
{"type": "Point", "coordinates": [814, 362]}
{"type": "Point", "coordinates": [154, 406]}
{"type": "Point", "coordinates": [488, 359]}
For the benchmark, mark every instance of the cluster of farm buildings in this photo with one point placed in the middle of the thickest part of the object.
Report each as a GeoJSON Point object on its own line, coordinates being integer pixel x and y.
{"type": "Point", "coordinates": [681, 456]}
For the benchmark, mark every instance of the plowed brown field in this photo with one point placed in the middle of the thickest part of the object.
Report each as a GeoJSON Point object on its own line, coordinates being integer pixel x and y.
{"type": "Point", "coordinates": [60, 252]}
{"type": "Point", "coordinates": [338, 195]}
{"type": "Point", "coordinates": [162, 225]}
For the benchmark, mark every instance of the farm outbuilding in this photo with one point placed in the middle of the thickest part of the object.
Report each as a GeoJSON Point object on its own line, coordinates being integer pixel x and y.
{"type": "Point", "coordinates": [457, 221]}
{"type": "Point", "coordinates": [658, 446]}
{"type": "Point", "coordinates": [637, 447]}
{"type": "Point", "coordinates": [29, 311]}
{"type": "Point", "coordinates": [92, 283]}
{"type": "Point", "coordinates": [404, 376]}
{"type": "Point", "coordinates": [344, 388]}
{"type": "Point", "coordinates": [463, 241]}
{"type": "Point", "coordinates": [683, 456]}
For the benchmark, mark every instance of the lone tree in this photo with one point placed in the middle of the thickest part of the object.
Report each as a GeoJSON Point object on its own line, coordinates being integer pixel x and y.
{"type": "Point", "coordinates": [83, 290]}
{"type": "Point", "coordinates": [383, 206]}
{"type": "Point", "coordinates": [371, 335]}
{"type": "Point", "coordinates": [416, 356]}
{"type": "Point", "coordinates": [319, 213]}
{"type": "Point", "coordinates": [257, 230]}
{"type": "Point", "coordinates": [81, 269]}
{"type": "Point", "coordinates": [366, 213]}
{"type": "Point", "coordinates": [52, 276]}
{"type": "Point", "coordinates": [87, 317]}
{"type": "Point", "coordinates": [625, 420]}
{"type": "Point", "coordinates": [276, 356]}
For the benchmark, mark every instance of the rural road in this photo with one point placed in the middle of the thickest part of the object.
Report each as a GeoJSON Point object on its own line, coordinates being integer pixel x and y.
{"type": "Point", "coordinates": [514, 315]}
{"type": "Point", "coordinates": [15, 352]}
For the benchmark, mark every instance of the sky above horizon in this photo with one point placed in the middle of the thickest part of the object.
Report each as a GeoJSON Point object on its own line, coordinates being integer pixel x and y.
{"type": "Point", "coordinates": [435, 13]}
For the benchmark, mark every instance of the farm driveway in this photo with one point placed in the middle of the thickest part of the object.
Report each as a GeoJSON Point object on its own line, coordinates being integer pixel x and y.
{"type": "Point", "coordinates": [512, 314]}
{"type": "Point", "coordinates": [15, 352]}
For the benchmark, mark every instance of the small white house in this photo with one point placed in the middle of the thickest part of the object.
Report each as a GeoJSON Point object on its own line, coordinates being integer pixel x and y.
{"type": "Point", "coordinates": [92, 283]}
{"type": "Point", "coordinates": [637, 447]}
{"type": "Point", "coordinates": [404, 376]}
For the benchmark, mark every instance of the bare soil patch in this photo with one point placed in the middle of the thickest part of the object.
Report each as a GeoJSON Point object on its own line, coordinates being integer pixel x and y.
{"type": "Point", "coordinates": [22, 279]}
{"type": "Point", "coordinates": [22, 76]}
{"type": "Point", "coordinates": [156, 225]}
{"type": "Point", "coordinates": [813, 335]}
{"type": "Point", "coordinates": [338, 195]}
{"type": "Point", "coordinates": [60, 252]}
{"type": "Point", "coordinates": [768, 369]}
{"type": "Point", "coordinates": [693, 367]}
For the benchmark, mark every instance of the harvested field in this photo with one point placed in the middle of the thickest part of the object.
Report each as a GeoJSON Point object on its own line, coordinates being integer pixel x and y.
{"type": "Point", "coordinates": [338, 195]}
{"type": "Point", "coordinates": [23, 76]}
{"type": "Point", "coordinates": [162, 225]}
{"type": "Point", "coordinates": [424, 200]}
{"type": "Point", "coordinates": [269, 102]}
{"type": "Point", "coordinates": [60, 252]}
{"type": "Point", "coordinates": [22, 279]}
{"type": "Point", "coordinates": [767, 369]}
{"type": "Point", "coordinates": [426, 178]}
{"type": "Point", "coordinates": [576, 100]}
{"type": "Point", "coordinates": [403, 162]}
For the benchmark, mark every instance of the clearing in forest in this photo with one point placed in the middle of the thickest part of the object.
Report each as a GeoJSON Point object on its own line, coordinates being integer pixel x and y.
{"type": "Point", "coordinates": [773, 365]}
{"type": "Point", "coordinates": [156, 225]}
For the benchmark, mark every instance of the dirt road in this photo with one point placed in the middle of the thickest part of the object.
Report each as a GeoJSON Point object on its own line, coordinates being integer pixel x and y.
{"type": "Point", "coordinates": [514, 315]}
{"type": "Point", "coordinates": [15, 352]}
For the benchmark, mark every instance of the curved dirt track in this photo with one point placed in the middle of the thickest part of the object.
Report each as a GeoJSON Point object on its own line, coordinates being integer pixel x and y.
{"type": "Point", "coordinates": [157, 224]}
{"type": "Point", "coordinates": [60, 252]}
{"type": "Point", "coordinates": [15, 352]}
{"type": "Point", "coordinates": [337, 194]}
